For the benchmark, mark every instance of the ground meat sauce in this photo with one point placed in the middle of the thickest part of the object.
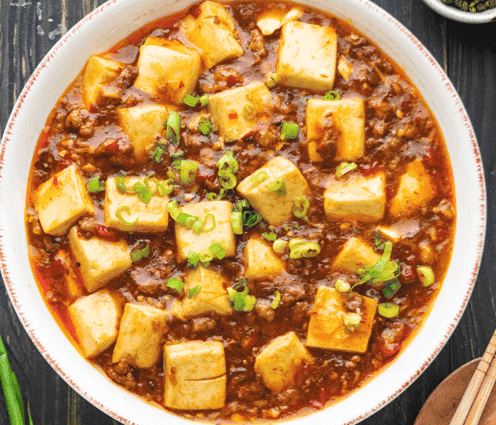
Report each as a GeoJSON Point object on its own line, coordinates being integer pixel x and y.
{"type": "Point", "coordinates": [399, 129]}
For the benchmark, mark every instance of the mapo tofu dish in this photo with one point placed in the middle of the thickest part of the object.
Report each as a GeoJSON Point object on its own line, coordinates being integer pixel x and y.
{"type": "Point", "coordinates": [240, 212]}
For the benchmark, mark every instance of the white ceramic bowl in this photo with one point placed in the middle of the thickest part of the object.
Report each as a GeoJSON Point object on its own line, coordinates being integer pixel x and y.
{"type": "Point", "coordinates": [460, 16]}
{"type": "Point", "coordinates": [112, 22]}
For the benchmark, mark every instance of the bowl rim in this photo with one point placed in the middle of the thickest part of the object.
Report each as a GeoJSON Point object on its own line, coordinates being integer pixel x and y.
{"type": "Point", "coordinates": [455, 14]}
{"type": "Point", "coordinates": [107, 407]}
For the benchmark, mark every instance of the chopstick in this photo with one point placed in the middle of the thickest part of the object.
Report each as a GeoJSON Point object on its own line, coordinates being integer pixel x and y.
{"type": "Point", "coordinates": [474, 388]}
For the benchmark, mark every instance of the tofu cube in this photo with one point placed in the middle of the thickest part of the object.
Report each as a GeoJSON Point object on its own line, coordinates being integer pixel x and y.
{"type": "Point", "coordinates": [345, 68]}
{"type": "Point", "coordinates": [62, 200]}
{"type": "Point", "coordinates": [195, 376]}
{"type": "Point", "coordinates": [227, 110]}
{"type": "Point", "coordinates": [357, 198]}
{"type": "Point", "coordinates": [344, 120]}
{"type": "Point", "coordinates": [327, 329]}
{"type": "Point", "coordinates": [212, 297]}
{"type": "Point", "coordinates": [260, 260]}
{"type": "Point", "coordinates": [100, 260]}
{"type": "Point", "coordinates": [96, 321]}
{"type": "Point", "coordinates": [167, 69]}
{"type": "Point", "coordinates": [151, 218]}
{"type": "Point", "coordinates": [213, 33]}
{"type": "Point", "coordinates": [187, 240]}
{"type": "Point", "coordinates": [140, 335]}
{"type": "Point", "coordinates": [279, 361]}
{"type": "Point", "coordinates": [355, 255]}
{"type": "Point", "coordinates": [99, 72]}
{"type": "Point", "coordinates": [415, 190]}
{"type": "Point", "coordinates": [306, 57]}
{"type": "Point", "coordinates": [276, 209]}
{"type": "Point", "coordinates": [143, 124]}
{"type": "Point", "coordinates": [271, 19]}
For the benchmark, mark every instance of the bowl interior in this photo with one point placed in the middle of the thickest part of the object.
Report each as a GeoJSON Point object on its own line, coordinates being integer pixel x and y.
{"type": "Point", "coordinates": [101, 30]}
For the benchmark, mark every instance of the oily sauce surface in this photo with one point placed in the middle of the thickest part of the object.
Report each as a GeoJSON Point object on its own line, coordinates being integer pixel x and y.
{"type": "Point", "coordinates": [399, 128]}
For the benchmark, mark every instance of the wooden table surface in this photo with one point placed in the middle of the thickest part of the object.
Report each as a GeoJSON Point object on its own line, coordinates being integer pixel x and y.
{"type": "Point", "coordinates": [29, 28]}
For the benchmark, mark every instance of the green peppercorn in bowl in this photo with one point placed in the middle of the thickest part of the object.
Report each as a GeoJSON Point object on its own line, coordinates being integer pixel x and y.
{"type": "Point", "coordinates": [467, 11]}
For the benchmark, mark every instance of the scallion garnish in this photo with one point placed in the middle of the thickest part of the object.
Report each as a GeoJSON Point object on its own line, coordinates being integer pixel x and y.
{"type": "Point", "coordinates": [277, 298]}
{"type": "Point", "coordinates": [165, 188]}
{"type": "Point", "coordinates": [342, 285]}
{"type": "Point", "coordinates": [206, 127]}
{"type": "Point", "coordinates": [95, 185]}
{"type": "Point", "coordinates": [188, 171]}
{"type": "Point", "coordinates": [173, 125]}
{"type": "Point", "coordinates": [216, 197]}
{"type": "Point", "coordinates": [175, 283]}
{"type": "Point", "coordinates": [218, 250]}
{"type": "Point", "coordinates": [259, 178]}
{"type": "Point", "coordinates": [300, 207]}
{"type": "Point", "coordinates": [271, 80]}
{"type": "Point", "coordinates": [243, 203]}
{"type": "Point", "coordinates": [143, 191]}
{"type": "Point", "coordinates": [190, 221]}
{"type": "Point", "coordinates": [118, 214]}
{"type": "Point", "coordinates": [305, 249]}
{"type": "Point", "coordinates": [345, 167]}
{"type": "Point", "coordinates": [204, 100]}
{"type": "Point", "coordinates": [279, 246]}
{"type": "Point", "coordinates": [193, 260]}
{"type": "Point", "coordinates": [237, 222]}
{"type": "Point", "coordinates": [352, 321]}
{"type": "Point", "coordinates": [238, 295]}
{"type": "Point", "coordinates": [227, 179]}
{"type": "Point", "coordinates": [391, 287]}
{"type": "Point", "coordinates": [205, 220]}
{"type": "Point", "coordinates": [249, 111]}
{"type": "Point", "coordinates": [388, 310]}
{"type": "Point", "coordinates": [120, 182]}
{"type": "Point", "coordinates": [378, 242]}
{"type": "Point", "coordinates": [206, 255]}
{"type": "Point", "coordinates": [138, 254]}
{"type": "Point", "coordinates": [228, 162]}
{"type": "Point", "coordinates": [190, 100]}
{"type": "Point", "coordinates": [278, 186]}
{"type": "Point", "coordinates": [251, 218]}
{"type": "Point", "coordinates": [426, 275]}
{"type": "Point", "coordinates": [331, 95]}
{"type": "Point", "coordinates": [193, 291]}
{"type": "Point", "coordinates": [270, 236]}
{"type": "Point", "coordinates": [289, 130]}
{"type": "Point", "coordinates": [158, 152]}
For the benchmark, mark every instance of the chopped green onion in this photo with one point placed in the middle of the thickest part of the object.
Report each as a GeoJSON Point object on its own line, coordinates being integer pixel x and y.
{"type": "Point", "coordinates": [289, 130]}
{"type": "Point", "coordinates": [175, 283]}
{"type": "Point", "coordinates": [172, 175]}
{"type": "Point", "coordinates": [212, 227]}
{"type": "Point", "coordinates": [193, 260]}
{"type": "Point", "coordinates": [95, 185]}
{"type": "Point", "coordinates": [218, 250]}
{"type": "Point", "coordinates": [250, 302]}
{"type": "Point", "coordinates": [177, 159]}
{"type": "Point", "coordinates": [277, 298]}
{"type": "Point", "coordinates": [165, 188]}
{"type": "Point", "coordinates": [279, 246]}
{"type": "Point", "coordinates": [342, 286]}
{"type": "Point", "coordinates": [389, 310]}
{"type": "Point", "coordinates": [240, 300]}
{"type": "Point", "coordinates": [173, 124]}
{"type": "Point", "coordinates": [243, 203]}
{"type": "Point", "coordinates": [251, 218]}
{"type": "Point", "coordinates": [331, 95]}
{"type": "Point", "coordinates": [138, 254]}
{"type": "Point", "coordinates": [206, 255]}
{"type": "Point", "coordinates": [378, 243]}
{"type": "Point", "coordinates": [227, 179]}
{"type": "Point", "coordinates": [157, 153]}
{"type": "Point", "coordinates": [352, 321]}
{"type": "Point", "coordinates": [204, 100]}
{"type": "Point", "coordinates": [206, 127]}
{"type": "Point", "coordinates": [121, 218]}
{"type": "Point", "coordinates": [271, 80]}
{"type": "Point", "coordinates": [216, 197]}
{"type": "Point", "coordinates": [259, 178]}
{"type": "Point", "coordinates": [294, 242]}
{"type": "Point", "coordinates": [190, 100]}
{"type": "Point", "coordinates": [173, 209]}
{"type": "Point", "coordinates": [305, 249]}
{"type": "Point", "coordinates": [237, 222]}
{"type": "Point", "coordinates": [278, 186]}
{"type": "Point", "coordinates": [300, 207]}
{"type": "Point", "coordinates": [228, 162]}
{"type": "Point", "coordinates": [143, 191]}
{"type": "Point", "coordinates": [345, 167]}
{"type": "Point", "coordinates": [188, 171]}
{"type": "Point", "coordinates": [120, 182]}
{"type": "Point", "coordinates": [193, 291]}
{"type": "Point", "coordinates": [391, 287]}
{"type": "Point", "coordinates": [426, 275]}
{"type": "Point", "coordinates": [249, 111]}
{"type": "Point", "coordinates": [270, 236]}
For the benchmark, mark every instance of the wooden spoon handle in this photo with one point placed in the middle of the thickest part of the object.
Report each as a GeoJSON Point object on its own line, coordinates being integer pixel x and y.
{"type": "Point", "coordinates": [473, 388]}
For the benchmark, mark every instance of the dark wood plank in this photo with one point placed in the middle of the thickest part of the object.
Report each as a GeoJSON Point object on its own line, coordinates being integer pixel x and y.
{"type": "Point", "coordinates": [28, 29]}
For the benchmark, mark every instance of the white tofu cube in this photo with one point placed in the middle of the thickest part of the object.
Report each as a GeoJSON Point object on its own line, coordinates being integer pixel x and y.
{"type": "Point", "coordinates": [140, 335]}
{"type": "Point", "coordinates": [96, 321]}
{"type": "Point", "coordinates": [195, 375]}
{"type": "Point", "coordinates": [151, 218]}
{"type": "Point", "coordinates": [415, 190]}
{"type": "Point", "coordinates": [356, 198]}
{"type": "Point", "coordinates": [143, 124]}
{"type": "Point", "coordinates": [345, 68]}
{"type": "Point", "coordinates": [275, 208]}
{"type": "Point", "coordinates": [280, 360]}
{"type": "Point", "coordinates": [271, 19]}
{"type": "Point", "coordinates": [167, 69]}
{"type": "Point", "coordinates": [212, 296]}
{"type": "Point", "coordinates": [62, 200]}
{"type": "Point", "coordinates": [343, 118]}
{"type": "Point", "coordinates": [227, 110]}
{"type": "Point", "coordinates": [100, 260]}
{"type": "Point", "coordinates": [213, 33]}
{"type": "Point", "coordinates": [327, 328]}
{"type": "Point", "coordinates": [355, 255]}
{"type": "Point", "coordinates": [187, 240]}
{"type": "Point", "coordinates": [99, 72]}
{"type": "Point", "coordinates": [306, 57]}
{"type": "Point", "coordinates": [260, 260]}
